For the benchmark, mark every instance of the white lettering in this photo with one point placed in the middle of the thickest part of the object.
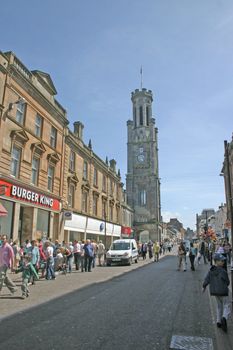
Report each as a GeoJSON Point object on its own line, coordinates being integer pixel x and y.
{"type": "Point", "coordinates": [14, 190]}
{"type": "Point", "coordinates": [24, 194]}
{"type": "Point", "coordinates": [31, 196]}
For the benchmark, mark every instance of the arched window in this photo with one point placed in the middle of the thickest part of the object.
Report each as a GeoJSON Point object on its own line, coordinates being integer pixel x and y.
{"type": "Point", "coordinates": [147, 115]}
{"type": "Point", "coordinates": [141, 115]}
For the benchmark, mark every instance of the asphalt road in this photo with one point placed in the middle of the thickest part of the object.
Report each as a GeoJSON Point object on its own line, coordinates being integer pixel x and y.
{"type": "Point", "coordinates": [140, 309]}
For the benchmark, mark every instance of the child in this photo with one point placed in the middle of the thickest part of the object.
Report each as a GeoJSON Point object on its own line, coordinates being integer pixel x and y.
{"type": "Point", "coordinates": [218, 281]}
{"type": "Point", "coordinates": [28, 271]}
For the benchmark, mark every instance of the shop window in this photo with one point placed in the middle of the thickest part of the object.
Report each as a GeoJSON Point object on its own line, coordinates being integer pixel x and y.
{"type": "Point", "coordinates": [53, 137]}
{"type": "Point", "coordinates": [43, 220]}
{"type": "Point", "coordinates": [15, 160]}
{"type": "Point", "coordinates": [20, 112]}
{"type": "Point", "coordinates": [38, 125]}
{"type": "Point", "coordinates": [35, 170]}
{"type": "Point", "coordinates": [6, 222]}
{"type": "Point", "coordinates": [50, 177]}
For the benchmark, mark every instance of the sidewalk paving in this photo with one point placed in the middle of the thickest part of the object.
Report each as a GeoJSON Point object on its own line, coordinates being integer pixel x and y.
{"type": "Point", "coordinates": [45, 290]}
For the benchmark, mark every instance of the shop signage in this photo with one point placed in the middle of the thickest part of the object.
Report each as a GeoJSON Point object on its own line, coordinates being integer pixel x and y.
{"type": "Point", "coordinates": [126, 230]}
{"type": "Point", "coordinates": [67, 215]}
{"type": "Point", "coordinates": [26, 195]}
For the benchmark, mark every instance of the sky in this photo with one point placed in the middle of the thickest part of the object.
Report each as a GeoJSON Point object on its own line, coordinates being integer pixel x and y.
{"type": "Point", "coordinates": [93, 51]}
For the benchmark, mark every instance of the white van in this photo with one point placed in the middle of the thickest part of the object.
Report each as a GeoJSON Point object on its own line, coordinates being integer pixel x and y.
{"type": "Point", "coordinates": [122, 251]}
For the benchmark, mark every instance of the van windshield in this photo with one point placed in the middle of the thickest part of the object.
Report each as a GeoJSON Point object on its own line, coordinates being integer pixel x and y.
{"type": "Point", "coordinates": [120, 246]}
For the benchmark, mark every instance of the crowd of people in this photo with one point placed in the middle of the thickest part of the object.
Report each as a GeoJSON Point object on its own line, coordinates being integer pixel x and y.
{"type": "Point", "coordinates": [203, 250]}
{"type": "Point", "coordinates": [44, 259]}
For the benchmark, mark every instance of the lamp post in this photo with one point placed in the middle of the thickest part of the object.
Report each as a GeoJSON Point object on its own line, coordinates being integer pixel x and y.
{"type": "Point", "coordinates": [228, 179]}
{"type": "Point", "coordinates": [105, 236]}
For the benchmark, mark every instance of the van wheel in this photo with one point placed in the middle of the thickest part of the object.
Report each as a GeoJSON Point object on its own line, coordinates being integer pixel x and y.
{"type": "Point", "coordinates": [130, 261]}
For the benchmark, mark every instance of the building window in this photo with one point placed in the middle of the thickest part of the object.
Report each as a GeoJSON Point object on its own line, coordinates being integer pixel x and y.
{"type": "Point", "coordinates": [53, 137]}
{"type": "Point", "coordinates": [50, 177]}
{"type": "Point", "coordinates": [111, 187]}
{"type": "Point", "coordinates": [95, 205]}
{"type": "Point", "coordinates": [104, 209]}
{"type": "Point", "coordinates": [35, 170]}
{"type": "Point", "coordinates": [104, 184]}
{"type": "Point", "coordinates": [111, 213]}
{"type": "Point", "coordinates": [147, 115]}
{"type": "Point", "coordinates": [95, 179]}
{"type": "Point", "coordinates": [84, 201]}
{"type": "Point", "coordinates": [72, 161]}
{"type": "Point", "coordinates": [141, 115]}
{"type": "Point", "coordinates": [135, 116]}
{"type": "Point", "coordinates": [20, 112]}
{"type": "Point", "coordinates": [71, 195]}
{"type": "Point", "coordinates": [142, 198]}
{"type": "Point", "coordinates": [85, 170]}
{"type": "Point", "coordinates": [15, 161]}
{"type": "Point", "coordinates": [38, 125]}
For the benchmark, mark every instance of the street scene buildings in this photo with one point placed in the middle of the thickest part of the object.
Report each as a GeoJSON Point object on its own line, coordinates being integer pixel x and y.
{"type": "Point", "coordinates": [54, 185]}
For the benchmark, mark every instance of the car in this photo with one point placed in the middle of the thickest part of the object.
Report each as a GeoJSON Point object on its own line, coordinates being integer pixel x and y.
{"type": "Point", "coordinates": [122, 251]}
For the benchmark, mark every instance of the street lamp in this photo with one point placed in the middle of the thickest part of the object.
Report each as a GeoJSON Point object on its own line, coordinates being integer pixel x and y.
{"type": "Point", "coordinates": [228, 177]}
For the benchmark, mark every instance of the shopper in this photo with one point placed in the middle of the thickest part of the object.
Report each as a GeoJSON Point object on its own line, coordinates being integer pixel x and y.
{"type": "Point", "coordinates": [6, 262]}
{"type": "Point", "coordinates": [218, 281]}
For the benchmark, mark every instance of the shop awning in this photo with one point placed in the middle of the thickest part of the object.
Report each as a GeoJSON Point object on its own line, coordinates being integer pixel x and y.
{"type": "Point", "coordinates": [3, 211]}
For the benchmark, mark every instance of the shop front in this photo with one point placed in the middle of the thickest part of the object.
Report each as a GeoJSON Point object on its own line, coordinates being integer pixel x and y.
{"type": "Point", "coordinates": [30, 214]}
{"type": "Point", "coordinates": [83, 227]}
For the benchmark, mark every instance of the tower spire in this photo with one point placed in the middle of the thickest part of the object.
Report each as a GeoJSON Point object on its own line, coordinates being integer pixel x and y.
{"type": "Point", "coordinates": [141, 76]}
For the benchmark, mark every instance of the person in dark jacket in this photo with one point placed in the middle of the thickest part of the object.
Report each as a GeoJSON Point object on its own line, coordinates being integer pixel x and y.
{"type": "Point", "coordinates": [88, 255]}
{"type": "Point", "coordinates": [218, 281]}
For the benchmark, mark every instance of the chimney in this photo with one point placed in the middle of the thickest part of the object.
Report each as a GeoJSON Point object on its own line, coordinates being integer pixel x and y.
{"type": "Point", "coordinates": [78, 130]}
{"type": "Point", "coordinates": [113, 165]}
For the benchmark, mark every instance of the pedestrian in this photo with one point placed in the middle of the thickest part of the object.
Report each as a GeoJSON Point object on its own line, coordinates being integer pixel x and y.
{"type": "Point", "coordinates": [6, 262]}
{"type": "Point", "coordinates": [100, 252]}
{"type": "Point", "coordinates": [144, 251]}
{"type": "Point", "coordinates": [94, 245]}
{"type": "Point", "coordinates": [156, 249]}
{"type": "Point", "coordinates": [150, 249]}
{"type": "Point", "coordinates": [77, 254]}
{"type": "Point", "coordinates": [218, 281]}
{"type": "Point", "coordinates": [181, 256]}
{"type": "Point", "coordinates": [50, 274]}
{"type": "Point", "coordinates": [28, 273]}
{"type": "Point", "coordinates": [227, 250]}
{"type": "Point", "coordinates": [192, 256]}
{"type": "Point", "coordinates": [202, 251]}
{"type": "Point", "coordinates": [34, 254]}
{"type": "Point", "coordinates": [88, 255]}
{"type": "Point", "coordinates": [220, 250]}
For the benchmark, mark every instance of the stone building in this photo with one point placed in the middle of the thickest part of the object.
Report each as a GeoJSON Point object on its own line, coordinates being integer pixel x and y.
{"type": "Point", "coordinates": [93, 192]}
{"type": "Point", "coordinates": [32, 132]}
{"type": "Point", "coordinates": [142, 179]}
{"type": "Point", "coordinates": [51, 183]}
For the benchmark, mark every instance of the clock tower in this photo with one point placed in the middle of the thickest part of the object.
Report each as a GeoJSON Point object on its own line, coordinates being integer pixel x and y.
{"type": "Point", "coordinates": [142, 179]}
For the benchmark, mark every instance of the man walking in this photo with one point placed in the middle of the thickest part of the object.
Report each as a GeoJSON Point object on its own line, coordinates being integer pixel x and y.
{"type": "Point", "coordinates": [6, 262]}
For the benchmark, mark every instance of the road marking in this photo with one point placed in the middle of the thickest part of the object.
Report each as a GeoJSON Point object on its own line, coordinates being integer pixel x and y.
{"type": "Point", "coordinates": [191, 343]}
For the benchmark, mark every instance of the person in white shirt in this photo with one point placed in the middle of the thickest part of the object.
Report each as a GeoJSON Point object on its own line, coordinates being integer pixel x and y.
{"type": "Point", "coordinates": [77, 254]}
{"type": "Point", "coordinates": [50, 274]}
{"type": "Point", "coordinates": [100, 252]}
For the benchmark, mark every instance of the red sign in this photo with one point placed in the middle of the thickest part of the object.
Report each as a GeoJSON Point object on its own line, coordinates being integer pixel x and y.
{"type": "Point", "coordinates": [126, 230]}
{"type": "Point", "coordinates": [26, 195]}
